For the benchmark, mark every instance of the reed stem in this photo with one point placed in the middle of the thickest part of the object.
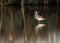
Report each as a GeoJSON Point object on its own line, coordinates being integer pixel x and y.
{"type": "Point", "coordinates": [22, 9]}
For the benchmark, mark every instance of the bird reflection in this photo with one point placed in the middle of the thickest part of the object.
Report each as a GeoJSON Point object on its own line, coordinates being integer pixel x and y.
{"type": "Point", "coordinates": [39, 27]}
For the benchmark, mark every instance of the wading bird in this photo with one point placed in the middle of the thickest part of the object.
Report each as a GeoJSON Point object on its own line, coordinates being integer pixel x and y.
{"type": "Point", "coordinates": [38, 18]}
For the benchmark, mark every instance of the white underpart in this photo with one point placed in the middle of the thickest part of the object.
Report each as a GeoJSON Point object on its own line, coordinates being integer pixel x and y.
{"type": "Point", "coordinates": [38, 17]}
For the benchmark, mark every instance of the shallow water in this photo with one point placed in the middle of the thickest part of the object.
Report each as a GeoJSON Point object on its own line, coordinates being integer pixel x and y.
{"type": "Point", "coordinates": [12, 27]}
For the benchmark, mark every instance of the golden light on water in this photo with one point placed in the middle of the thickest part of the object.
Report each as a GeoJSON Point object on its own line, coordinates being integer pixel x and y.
{"type": "Point", "coordinates": [10, 38]}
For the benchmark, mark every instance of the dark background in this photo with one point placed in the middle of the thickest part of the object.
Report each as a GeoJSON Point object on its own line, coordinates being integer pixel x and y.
{"type": "Point", "coordinates": [49, 10]}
